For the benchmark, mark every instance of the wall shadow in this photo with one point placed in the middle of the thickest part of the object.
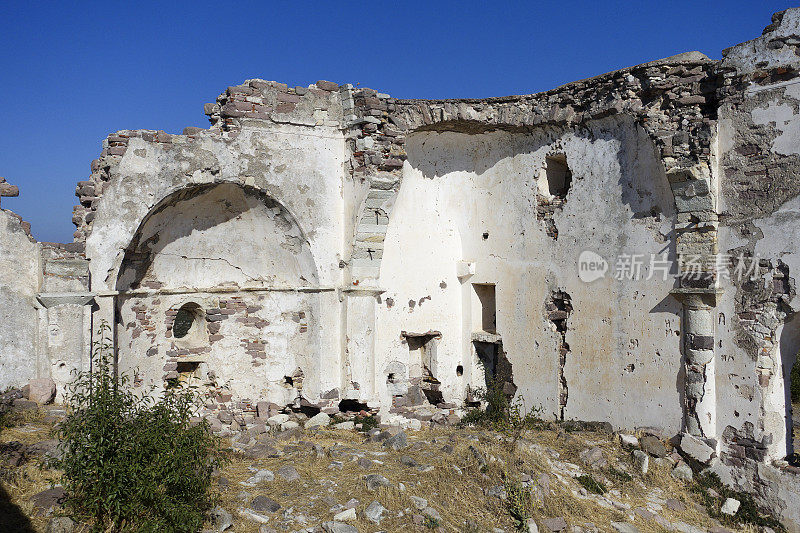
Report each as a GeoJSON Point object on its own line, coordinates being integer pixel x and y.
{"type": "Point", "coordinates": [12, 518]}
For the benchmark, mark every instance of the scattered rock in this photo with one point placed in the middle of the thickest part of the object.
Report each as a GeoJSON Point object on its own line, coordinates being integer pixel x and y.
{"type": "Point", "coordinates": [675, 505]}
{"type": "Point", "coordinates": [532, 527]}
{"type": "Point", "coordinates": [408, 461]}
{"type": "Point", "coordinates": [24, 405]}
{"type": "Point", "coordinates": [338, 527]}
{"type": "Point", "coordinates": [277, 420]}
{"type": "Point", "coordinates": [44, 502]}
{"type": "Point", "coordinates": [730, 507]}
{"type": "Point", "coordinates": [697, 449]}
{"type": "Point", "coordinates": [318, 420]}
{"type": "Point", "coordinates": [253, 515]}
{"type": "Point", "coordinates": [42, 391]}
{"type": "Point", "coordinates": [555, 524]}
{"type": "Point", "coordinates": [628, 440]}
{"type": "Point", "coordinates": [345, 425]}
{"type": "Point", "coordinates": [374, 481]}
{"type": "Point", "coordinates": [419, 503]}
{"type": "Point", "coordinates": [61, 524]}
{"type": "Point", "coordinates": [476, 453]}
{"type": "Point", "coordinates": [346, 515]}
{"type": "Point", "coordinates": [221, 519]}
{"type": "Point", "coordinates": [374, 512]}
{"type": "Point", "coordinates": [432, 514]}
{"type": "Point", "coordinates": [641, 460]}
{"type": "Point", "coordinates": [683, 527]}
{"type": "Point", "coordinates": [289, 473]}
{"type": "Point", "coordinates": [397, 442]}
{"type": "Point", "coordinates": [593, 457]}
{"type": "Point", "coordinates": [624, 527]}
{"type": "Point", "coordinates": [263, 504]}
{"type": "Point", "coordinates": [653, 446]}
{"type": "Point", "coordinates": [259, 477]}
{"type": "Point", "coordinates": [683, 472]}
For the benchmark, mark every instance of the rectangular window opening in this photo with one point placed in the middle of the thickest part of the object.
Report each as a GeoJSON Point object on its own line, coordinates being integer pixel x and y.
{"type": "Point", "coordinates": [486, 297]}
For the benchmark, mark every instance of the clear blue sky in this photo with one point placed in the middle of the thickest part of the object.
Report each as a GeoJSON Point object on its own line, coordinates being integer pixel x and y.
{"type": "Point", "coordinates": [72, 72]}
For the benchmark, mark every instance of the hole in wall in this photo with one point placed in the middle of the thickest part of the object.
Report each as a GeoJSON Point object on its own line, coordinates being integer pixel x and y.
{"type": "Point", "coordinates": [485, 235]}
{"type": "Point", "coordinates": [352, 406]}
{"type": "Point", "coordinates": [288, 381]}
{"type": "Point", "coordinates": [459, 371]}
{"type": "Point", "coordinates": [554, 183]}
{"type": "Point", "coordinates": [558, 174]}
{"type": "Point", "coordinates": [422, 356]}
{"type": "Point", "coordinates": [390, 378]}
{"type": "Point", "coordinates": [497, 369]}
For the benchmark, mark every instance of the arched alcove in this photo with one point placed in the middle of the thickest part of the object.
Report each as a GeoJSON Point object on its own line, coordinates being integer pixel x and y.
{"type": "Point", "coordinates": [208, 235]}
{"type": "Point", "coordinates": [219, 279]}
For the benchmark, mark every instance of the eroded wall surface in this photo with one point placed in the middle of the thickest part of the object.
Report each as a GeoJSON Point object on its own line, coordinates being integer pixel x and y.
{"type": "Point", "coordinates": [19, 284]}
{"type": "Point", "coordinates": [473, 198]}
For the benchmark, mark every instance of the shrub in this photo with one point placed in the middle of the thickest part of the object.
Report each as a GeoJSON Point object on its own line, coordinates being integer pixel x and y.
{"type": "Point", "coordinates": [131, 463]}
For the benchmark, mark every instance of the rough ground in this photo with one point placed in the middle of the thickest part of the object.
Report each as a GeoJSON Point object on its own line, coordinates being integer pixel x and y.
{"type": "Point", "coordinates": [442, 479]}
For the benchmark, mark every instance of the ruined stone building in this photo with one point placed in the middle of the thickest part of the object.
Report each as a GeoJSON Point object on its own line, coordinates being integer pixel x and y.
{"type": "Point", "coordinates": [333, 244]}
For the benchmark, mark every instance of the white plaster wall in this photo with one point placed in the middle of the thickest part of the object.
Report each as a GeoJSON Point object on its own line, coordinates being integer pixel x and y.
{"type": "Point", "coordinates": [456, 187]}
{"type": "Point", "coordinates": [301, 168]}
{"type": "Point", "coordinates": [19, 282]}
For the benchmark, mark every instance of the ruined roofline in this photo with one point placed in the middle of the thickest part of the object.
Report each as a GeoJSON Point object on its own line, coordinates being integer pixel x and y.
{"type": "Point", "coordinates": [12, 191]}
{"type": "Point", "coordinates": [686, 59]}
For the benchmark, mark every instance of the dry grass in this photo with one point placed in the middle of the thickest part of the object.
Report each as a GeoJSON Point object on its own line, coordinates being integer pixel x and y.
{"type": "Point", "coordinates": [456, 487]}
{"type": "Point", "coordinates": [20, 483]}
{"type": "Point", "coordinates": [459, 497]}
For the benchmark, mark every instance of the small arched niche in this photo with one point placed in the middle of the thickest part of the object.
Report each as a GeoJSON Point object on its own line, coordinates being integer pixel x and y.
{"type": "Point", "coordinates": [189, 326]}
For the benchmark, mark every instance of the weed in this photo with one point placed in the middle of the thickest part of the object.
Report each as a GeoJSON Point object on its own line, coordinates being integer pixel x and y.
{"type": "Point", "coordinates": [748, 512]}
{"type": "Point", "coordinates": [431, 522]}
{"type": "Point", "coordinates": [368, 422]}
{"type": "Point", "coordinates": [591, 484]}
{"type": "Point", "coordinates": [619, 475]}
{"type": "Point", "coordinates": [502, 414]}
{"type": "Point", "coordinates": [518, 502]}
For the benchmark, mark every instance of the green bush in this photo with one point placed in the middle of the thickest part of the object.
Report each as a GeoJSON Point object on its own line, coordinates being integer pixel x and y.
{"type": "Point", "coordinates": [131, 463]}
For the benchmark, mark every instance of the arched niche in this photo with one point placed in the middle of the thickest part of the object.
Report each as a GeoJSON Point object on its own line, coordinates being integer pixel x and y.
{"type": "Point", "coordinates": [217, 234]}
{"type": "Point", "coordinates": [239, 261]}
